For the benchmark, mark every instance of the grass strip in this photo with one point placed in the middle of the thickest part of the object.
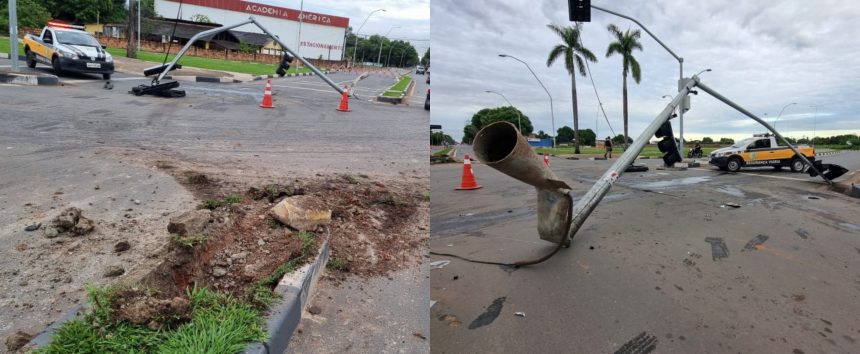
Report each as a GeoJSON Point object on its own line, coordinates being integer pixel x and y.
{"type": "Point", "coordinates": [220, 324]}
{"type": "Point", "coordinates": [442, 152]}
{"type": "Point", "coordinates": [399, 88]}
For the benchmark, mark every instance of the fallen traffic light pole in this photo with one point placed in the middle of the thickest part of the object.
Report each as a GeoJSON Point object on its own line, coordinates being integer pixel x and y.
{"type": "Point", "coordinates": [502, 147]}
{"type": "Point", "coordinates": [166, 89]}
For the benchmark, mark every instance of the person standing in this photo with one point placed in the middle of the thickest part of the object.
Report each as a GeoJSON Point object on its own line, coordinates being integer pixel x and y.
{"type": "Point", "coordinates": [608, 146]}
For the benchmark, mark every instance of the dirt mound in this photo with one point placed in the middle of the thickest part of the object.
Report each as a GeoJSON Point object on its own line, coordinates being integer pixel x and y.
{"type": "Point", "coordinates": [71, 222]}
{"type": "Point", "coordinates": [139, 307]}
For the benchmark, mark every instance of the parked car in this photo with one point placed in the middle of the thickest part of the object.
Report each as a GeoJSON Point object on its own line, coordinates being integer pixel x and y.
{"type": "Point", "coordinates": [419, 69]}
{"type": "Point", "coordinates": [67, 48]}
{"type": "Point", "coordinates": [760, 150]}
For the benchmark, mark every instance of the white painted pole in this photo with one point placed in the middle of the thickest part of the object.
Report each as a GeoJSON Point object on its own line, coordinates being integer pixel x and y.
{"type": "Point", "coordinates": [13, 35]}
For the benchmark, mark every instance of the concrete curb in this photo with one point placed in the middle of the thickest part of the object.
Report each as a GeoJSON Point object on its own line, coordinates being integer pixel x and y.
{"type": "Point", "coordinates": [29, 80]}
{"type": "Point", "coordinates": [397, 100]}
{"type": "Point", "coordinates": [294, 288]}
{"type": "Point", "coordinates": [7, 56]}
{"type": "Point", "coordinates": [272, 76]}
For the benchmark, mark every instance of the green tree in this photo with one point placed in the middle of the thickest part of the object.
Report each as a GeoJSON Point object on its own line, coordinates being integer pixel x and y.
{"type": "Point", "coordinates": [727, 141]}
{"type": "Point", "coordinates": [105, 11]}
{"type": "Point", "coordinates": [425, 60]}
{"type": "Point", "coordinates": [542, 135]}
{"type": "Point", "coordinates": [201, 18]}
{"type": "Point", "coordinates": [625, 43]}
{"type": "Point", "coordinates": [439, 138]}
{"type": "Point", "coordinates": [588, 137]}
{"type": "Point", "coordinates": [507, 113]}
{"type": "Point", "coordinates": [574, 54]}
{"type": "Point", "coordinates": [565, 135]}
{"type": "Point", "coordinates": [31, 14]}
{"type": "Point", "coordinates": [707, 140]}
{"type": "Point", "coordinates": [469, 132]}
{"type": "Point", "coordinates": [619, 140]}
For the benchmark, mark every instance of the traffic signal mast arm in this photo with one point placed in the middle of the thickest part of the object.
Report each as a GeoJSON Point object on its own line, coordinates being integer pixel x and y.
{"type": "Point", "coordinates": [589, 201]}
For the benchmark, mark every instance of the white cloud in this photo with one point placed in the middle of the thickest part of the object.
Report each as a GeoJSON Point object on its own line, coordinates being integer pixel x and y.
{"type": "Point", "coordinates": [763, 55]}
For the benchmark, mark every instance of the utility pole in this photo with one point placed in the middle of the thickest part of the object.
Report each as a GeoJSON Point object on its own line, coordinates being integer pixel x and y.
{"type": "Point", "coordinates": [13, 35]}
{"type": "Point", "coordinates": [131, 49]}
{"type": "Point", "coordinates": [138, 26]}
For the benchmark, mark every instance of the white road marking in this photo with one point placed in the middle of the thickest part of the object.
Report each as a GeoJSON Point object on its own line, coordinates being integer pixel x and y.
{"type": "Point", "coordinates": [758, 175]}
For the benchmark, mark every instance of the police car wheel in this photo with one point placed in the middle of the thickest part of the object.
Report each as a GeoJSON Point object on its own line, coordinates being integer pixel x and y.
{"type": "Point", "coordinates": [31, 59]}
{"type": "Point", "coordinates": [734, 165]}
{"type": "Point", "coordinates": [797, 165]}
{"type": "Point", "coordinates": [56, 64]}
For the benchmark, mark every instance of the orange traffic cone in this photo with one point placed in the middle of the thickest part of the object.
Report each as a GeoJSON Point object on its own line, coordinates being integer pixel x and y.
{"type": "Point", "coordinates": [546, 159]}
{"type": "Point", "coordinates": [267, 96]}
{"type": "Point", "coordinates": [344, 100]}
{"type": "Point", "coordinates": [468, 180]}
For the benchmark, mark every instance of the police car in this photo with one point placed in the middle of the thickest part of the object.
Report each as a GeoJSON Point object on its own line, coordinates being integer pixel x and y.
{"type": "Point", "coordinates": [67, 48]}
{"type": "Point", "coordinates": [760, 150]}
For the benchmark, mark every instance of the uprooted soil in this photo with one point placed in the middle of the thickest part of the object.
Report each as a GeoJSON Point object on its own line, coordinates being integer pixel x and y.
{"type": "Point", "coordinates": [373, 231]}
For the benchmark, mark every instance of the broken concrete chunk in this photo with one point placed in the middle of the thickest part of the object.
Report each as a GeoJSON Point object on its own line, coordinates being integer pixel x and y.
{"type": "Point", "coordinates": [301, 212]}
{"type": "Point", "coordinates": [83, 226]}
{"type": "Point", "coordinates": [67, 219]}
{"type": "Point", "coordinates": [114, 271]}
{"type": "Point", "coordinates": [219, 272]}
{"type": "Point", "coordinates": [51, 232]}
{"type": "Point", "coordinates": [190, 223]}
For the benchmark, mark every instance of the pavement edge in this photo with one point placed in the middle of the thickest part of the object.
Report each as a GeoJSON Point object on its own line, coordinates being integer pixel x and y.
{"type": "Point", "coordinates": [295, 288]}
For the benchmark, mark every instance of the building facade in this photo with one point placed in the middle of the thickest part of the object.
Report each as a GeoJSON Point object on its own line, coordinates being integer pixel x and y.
{"type": "Point", "coordinates": [322, 36]}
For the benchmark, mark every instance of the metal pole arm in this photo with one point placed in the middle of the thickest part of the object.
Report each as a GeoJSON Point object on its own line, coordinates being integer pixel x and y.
{"type": "Point", "coordinates": [762, 122]}
{"type": "Point", "coordinates": [644, 28]}
{"type": "Point", "coordinates": [194, 39]}
{"type": "Point", "coordinates": [250, 20]}
{"type": "Point", "coordinates": [589, 201]}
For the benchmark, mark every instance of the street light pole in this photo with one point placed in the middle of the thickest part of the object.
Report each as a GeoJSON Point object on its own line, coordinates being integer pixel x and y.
{"type": "Point", "coordinates": [381, 42]}
{"type": "Point", "coordinates": [780, 113]}
{"type": "Point", "coordinates": [679, 59]}
{"type": "Point", "coordinates": [520, 118]}
{"type": "Point", "coordinates": [551, 110]}
{"type": "Point", "coordinates": [355, 49]}
{"type": "Point", "coordinates": [13, 35]}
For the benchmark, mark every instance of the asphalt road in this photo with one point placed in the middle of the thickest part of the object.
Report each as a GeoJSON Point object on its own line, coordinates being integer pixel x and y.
{"type": "Point", "coordinates": [78, 144]}
{"type": "Point", "coordinates": [640, 272]}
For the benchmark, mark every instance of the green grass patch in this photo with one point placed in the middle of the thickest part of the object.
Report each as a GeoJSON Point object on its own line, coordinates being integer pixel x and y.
{"type": "Point", "coordinates": [399, 88]}
{"type": "Point", "coordinates": [442, 152]}
{"type": "Point", "coordinates": [188, 240]}
{"type": "Point", "coordinates": [6, 46]}
{"type": "Point", "coordinates": [246, 67]}
{"type": "Point", "coordinates": [215, 203]}
{"type": "Point", "coordinates": [219, 324]}
{"type": "Point", "coordinates": [336, 263]}
{"type": "Point", "coordinates": [648, 151]}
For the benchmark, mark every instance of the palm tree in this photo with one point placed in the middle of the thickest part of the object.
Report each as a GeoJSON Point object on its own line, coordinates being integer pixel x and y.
{"type": "Point", "coordinates": [624, 45]}
{"type": "Point", "coordinates": [574, 52]}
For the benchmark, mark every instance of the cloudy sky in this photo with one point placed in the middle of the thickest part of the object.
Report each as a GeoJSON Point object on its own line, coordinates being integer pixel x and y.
{"type": "Point", "coordinates": [764, 55]}
{"type": "Point", "coordinates": [413, 17]}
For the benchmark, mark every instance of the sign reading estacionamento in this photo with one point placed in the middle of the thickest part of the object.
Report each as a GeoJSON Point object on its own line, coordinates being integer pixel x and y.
{"type": "Point", "coordinates": [322, 35]}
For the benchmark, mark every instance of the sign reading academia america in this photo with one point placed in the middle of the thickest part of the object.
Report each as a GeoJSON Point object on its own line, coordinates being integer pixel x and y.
{"type": "Point", "coordinates": [271, 11]}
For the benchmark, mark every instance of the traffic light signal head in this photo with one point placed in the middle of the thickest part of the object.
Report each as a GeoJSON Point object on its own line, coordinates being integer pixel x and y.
{"type": "Point", "coordinates": [579, 10]}
{"type": "Point", "coordinates": [668, 146]}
